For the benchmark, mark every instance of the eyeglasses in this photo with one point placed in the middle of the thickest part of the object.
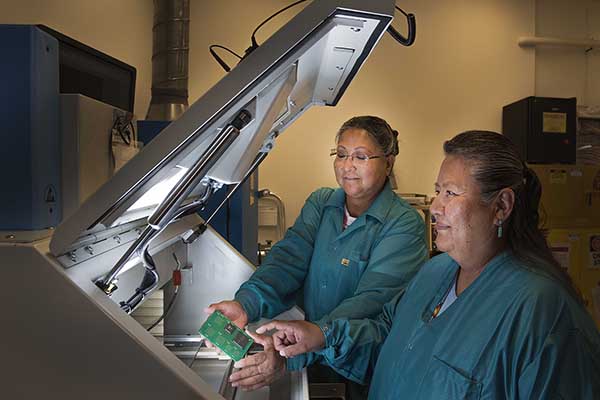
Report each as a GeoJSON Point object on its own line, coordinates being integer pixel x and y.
{"type": "Point", "coordinates": [357, 158]}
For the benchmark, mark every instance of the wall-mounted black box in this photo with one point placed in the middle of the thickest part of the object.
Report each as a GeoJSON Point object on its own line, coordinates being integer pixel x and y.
{"type": "Point", "coordinates": [543, 128]}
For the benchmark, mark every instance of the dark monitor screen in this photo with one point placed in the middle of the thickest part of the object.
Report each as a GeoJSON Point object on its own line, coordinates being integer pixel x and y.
{"type": "Point", "coordinates": [94, 74]}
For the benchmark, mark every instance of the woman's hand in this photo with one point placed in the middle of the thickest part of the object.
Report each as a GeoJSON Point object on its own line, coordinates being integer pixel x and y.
{"type": "Point", "coordinates": [260, 369]}
{"type": "Point", "coordinates": [294, 337]}
{"type": "Point", "coordinates": [232, 310]}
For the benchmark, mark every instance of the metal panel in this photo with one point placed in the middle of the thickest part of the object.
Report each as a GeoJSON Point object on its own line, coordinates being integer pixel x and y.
{"type": "Point", "coordinates": [63, 335]}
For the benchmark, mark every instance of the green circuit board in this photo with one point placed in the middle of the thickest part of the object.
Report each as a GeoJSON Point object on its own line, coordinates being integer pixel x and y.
{"type": "Point", "coordinates": [226, 336]}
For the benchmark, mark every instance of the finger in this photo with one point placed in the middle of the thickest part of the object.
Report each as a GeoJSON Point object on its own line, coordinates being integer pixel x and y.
{"type": "Point", "coordinates": [285, 334]}
{"type": "Point", "coordinates": [254, 387]}
{"type": "Point", "coordinates": [254, 359]}
{"type": "Point", "coordinates": [244, 373]}
{"type": "Point", "coordinates": [251, 382]}
{"type": "Point", "coordinates": [292, 351]}
{"type": "Point", "coordinates": [211, 308]}
{"type": "Point", "coordinates": [280, 342]}
{"type": "Point", "coordinates": [263, 340]}
{"type": "Point", "coordinates": [212, 346]}
{"type": "Point", "coordinates": [269, 326]}
{"type": "Point", "coordinates": [281, 339]}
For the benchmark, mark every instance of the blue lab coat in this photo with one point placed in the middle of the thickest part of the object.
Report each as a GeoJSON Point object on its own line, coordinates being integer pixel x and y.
{"type": "Point", "coordinates": [347, 273]}
{"type": "Point", "coordinates": [512, 334]}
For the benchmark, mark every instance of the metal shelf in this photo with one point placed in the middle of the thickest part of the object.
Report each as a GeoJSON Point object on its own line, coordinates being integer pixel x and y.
{"type": "Point", "coordinates": [533, 41]}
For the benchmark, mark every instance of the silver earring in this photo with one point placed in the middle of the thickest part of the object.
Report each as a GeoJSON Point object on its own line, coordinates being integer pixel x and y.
{"type": "Point", "coordinates": [499, 228]}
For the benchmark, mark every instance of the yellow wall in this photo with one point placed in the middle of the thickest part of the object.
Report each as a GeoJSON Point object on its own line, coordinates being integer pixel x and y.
{"type": "Point", "coordinates": [464, 66]}
{"type": "Point", "coordinates": [568, 72]}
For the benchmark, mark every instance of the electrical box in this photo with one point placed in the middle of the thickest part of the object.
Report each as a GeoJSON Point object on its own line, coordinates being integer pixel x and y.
{"type": "Point", "coordinates": [543, 128]}
{"type": "Point", "coordinates": [29, 117]}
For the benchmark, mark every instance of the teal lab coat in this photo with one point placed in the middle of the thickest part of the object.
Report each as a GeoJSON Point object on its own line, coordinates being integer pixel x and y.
{"type": "Point", "coordinates": [512, 334]}
{"type": "Point", "coordinates": [347, 273]}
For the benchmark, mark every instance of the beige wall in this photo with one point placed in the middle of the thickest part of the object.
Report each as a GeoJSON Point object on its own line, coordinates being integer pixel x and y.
{"type": "Point", "coordinates": [464, 66]}
{"type": "Point", "coordinates": [563, 71]}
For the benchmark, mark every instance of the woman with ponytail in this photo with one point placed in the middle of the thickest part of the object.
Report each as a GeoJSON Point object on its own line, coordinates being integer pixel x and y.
{"type": "Point", "coordinates": [495, 317]}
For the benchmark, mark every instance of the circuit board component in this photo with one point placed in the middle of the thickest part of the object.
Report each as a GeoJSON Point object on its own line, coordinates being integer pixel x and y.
{"type": "Point", "coordinates": [226, 336]}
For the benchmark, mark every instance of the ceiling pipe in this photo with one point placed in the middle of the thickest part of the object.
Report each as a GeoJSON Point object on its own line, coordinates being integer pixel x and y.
{"type": "Point", "coordinates": [170, 51]}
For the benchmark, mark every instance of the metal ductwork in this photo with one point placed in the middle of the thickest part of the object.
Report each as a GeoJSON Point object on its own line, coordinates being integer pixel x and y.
{"type": "Point", "coordinates": [170, 50]}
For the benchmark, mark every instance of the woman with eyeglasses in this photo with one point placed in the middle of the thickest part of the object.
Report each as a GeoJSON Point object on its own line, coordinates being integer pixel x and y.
{"type": "Point", "coordinates": [350, 251]}
{"type": "Point", "coordinates": [495, 317]}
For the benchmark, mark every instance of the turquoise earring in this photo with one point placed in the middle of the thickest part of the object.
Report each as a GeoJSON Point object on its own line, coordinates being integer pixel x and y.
{"type": "Point", "coordinates": [499, 228]}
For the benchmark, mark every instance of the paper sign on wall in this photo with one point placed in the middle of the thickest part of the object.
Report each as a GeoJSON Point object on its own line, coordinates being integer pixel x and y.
{"type": "Point", "coordinates": [554, 122]}
{"type": "Point", "coordinates": [561, 253]}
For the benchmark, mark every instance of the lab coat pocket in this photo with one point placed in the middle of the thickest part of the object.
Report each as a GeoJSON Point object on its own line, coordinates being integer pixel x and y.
{"type": "Point", "coordinates": [359, 261]}
{"type": "Point", "coordinates": [348, 275]}
{"type": "Point", "coordinates": [447, 382]}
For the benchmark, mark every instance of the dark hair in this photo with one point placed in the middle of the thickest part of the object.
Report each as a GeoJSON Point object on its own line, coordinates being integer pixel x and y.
{"type": "Point", "coordinates": [497, 165]}
{"type": "Point", "coordinates": [381, 132]}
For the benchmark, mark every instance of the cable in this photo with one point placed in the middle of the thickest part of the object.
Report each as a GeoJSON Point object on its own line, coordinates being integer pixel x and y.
{"type": "Point", "coordinates": [177, 284]}
{"type": "Point", "coordinates": [166, 310]}
{"type": "Point", "coordinates": [196, 355]}
{"type": "Point", "coordinates": [221, 62]}
{"type": "Point", "coordinates": [255, 44]}
{"type": "Point", "coordinates": [218, 46]}
{"type": "Point", "coordinates": [412, 29]}
{"type": "Point", "coordinates": [401, 10]}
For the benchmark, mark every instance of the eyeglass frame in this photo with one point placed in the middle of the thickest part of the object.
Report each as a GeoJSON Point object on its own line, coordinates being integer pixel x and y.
{"type": "Point", "coordinates": [334, 153]}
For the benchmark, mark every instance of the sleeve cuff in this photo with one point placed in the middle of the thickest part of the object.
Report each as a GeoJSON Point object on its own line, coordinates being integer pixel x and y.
{"type": "Point", "coordinates": [249, 302]}
{"type": "Point", "coordinates": [296, 363]}
{"type": "Point", "coordinates": [326, 329]}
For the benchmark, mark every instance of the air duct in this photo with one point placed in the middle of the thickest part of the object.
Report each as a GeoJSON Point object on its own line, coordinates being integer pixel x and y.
{"type": "Point", "coordinates": [170, 50]}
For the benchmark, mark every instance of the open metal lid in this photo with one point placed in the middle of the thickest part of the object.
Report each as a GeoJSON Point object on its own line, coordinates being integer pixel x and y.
{"type": "Point", "coordinates": [309, 61]}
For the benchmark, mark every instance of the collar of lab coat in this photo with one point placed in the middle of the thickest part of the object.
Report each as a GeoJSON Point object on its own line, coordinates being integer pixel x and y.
{"type": "Point", "coordinates": [378, 209]}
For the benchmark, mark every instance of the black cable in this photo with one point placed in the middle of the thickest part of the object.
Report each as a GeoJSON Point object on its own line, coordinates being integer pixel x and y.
{"type": "Point", "coordinates": [124, 128]}
{"type": "Point", "coordinates": [412, 29]}
{"type": "Point", "coordinates": [218, 46]}
{"type": "Point", "coordinates": [221, 62]}
{"type": "Point", "coordinates": [164, 315]}
{"type": "Point", "coordinates": [401, 10]}
{"type": "Point", "coordinates": [255, 45]}
{"type": "Point", "coordinates": [172, 301]}
{"type": "Point", "coordinates": [196, 355]}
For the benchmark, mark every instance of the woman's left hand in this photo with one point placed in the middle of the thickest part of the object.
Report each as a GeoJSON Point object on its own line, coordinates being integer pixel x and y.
{"type": "Point", "coordinates": [259, 369]}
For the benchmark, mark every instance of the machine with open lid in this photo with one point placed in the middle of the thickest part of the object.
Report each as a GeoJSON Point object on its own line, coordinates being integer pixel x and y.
{"type": "Point", "coordinates": [68, 329]}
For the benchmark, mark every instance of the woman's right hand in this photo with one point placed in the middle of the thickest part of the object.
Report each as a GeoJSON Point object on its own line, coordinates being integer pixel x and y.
{"type": "Point", "coordinates": [232, 310]}
{"type": "Point", "coordinates": [293, 338]}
